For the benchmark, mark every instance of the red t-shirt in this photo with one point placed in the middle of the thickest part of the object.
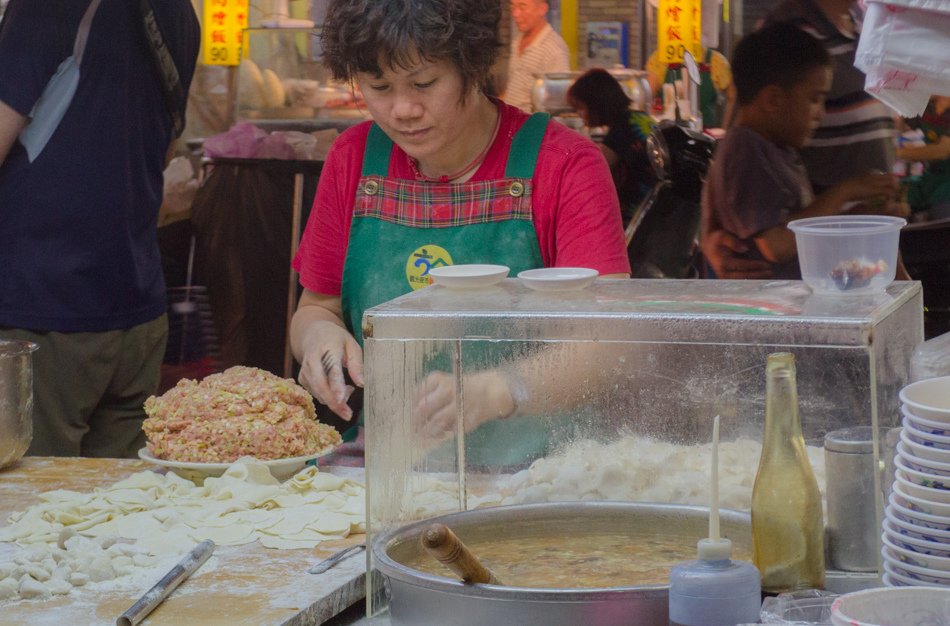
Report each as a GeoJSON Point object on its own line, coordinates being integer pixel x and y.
{"type": "Point", "coordinates": [575, 209]}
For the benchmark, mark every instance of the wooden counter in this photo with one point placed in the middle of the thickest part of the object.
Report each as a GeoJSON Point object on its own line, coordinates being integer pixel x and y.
{"type": "Point", "coordinates": [245, 585]}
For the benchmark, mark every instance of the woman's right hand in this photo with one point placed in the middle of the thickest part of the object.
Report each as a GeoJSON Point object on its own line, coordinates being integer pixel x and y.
{"type": "Point", "coordinates": [325, 348]}
{"type": "Point", "coordinates": [321, 372]}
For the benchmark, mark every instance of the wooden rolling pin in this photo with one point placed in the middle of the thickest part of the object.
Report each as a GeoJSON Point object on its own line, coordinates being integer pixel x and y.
{"type": "Point", "coordinates": [448, 549]}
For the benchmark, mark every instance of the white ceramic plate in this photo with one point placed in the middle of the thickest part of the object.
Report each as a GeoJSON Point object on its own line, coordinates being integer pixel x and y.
{"type": "Point", "coordinates": [469, 276]}
{"type": "Point", "coordinates": [925, 437]}
{"type": "Point", "coordinates": [934, 427]}
{"type": "Point", "coordinates": [920, 477]}
{"type": "Point", "coordinates": [929, 398]}
{"type": "Point", "coordinates": [933, 548]}
{"type": "Point", "coordinates": [928, 455]}
{"type": "Point", "coordinates": [912, 556]}
{"type": "Point", "coordinates": [917, 518]}
{"type": "Point", "coordinates": [281, 469]}
{"type": "Point", "coordinates": [914, 531]}
{"type": "Point", "coordinates": [925, 574]}
{"type": "Point", "coordinates": [921, 505]}
{"type": "Point", "coordinates": [930, 494]}
{"type": "Point", "coordinates": [558, 278]}
{"type": "Point", "coordinates": [920, 462]}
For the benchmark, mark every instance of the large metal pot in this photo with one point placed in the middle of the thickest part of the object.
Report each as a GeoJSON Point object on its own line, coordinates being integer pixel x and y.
{"type": "Point", "coordinates": [420, 599]}
{"type": "Point", "coordinates": [16, 399]}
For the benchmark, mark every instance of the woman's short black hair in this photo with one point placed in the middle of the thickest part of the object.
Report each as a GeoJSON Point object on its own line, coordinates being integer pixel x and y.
{"type": "Point", "coordinates": [358, 34]}
{"type": "Point", "coordinates": [781, 54]}
{"type": "Point", "coordinates": [606, 101]}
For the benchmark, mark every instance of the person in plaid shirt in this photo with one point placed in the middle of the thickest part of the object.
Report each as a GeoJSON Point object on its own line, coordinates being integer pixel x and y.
{"type": "Point", "coordinates": [443, 175]}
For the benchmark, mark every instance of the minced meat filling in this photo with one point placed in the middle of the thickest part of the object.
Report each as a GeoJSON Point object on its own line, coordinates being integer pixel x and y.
{"type": "Point", "coordinates": [243, 411]}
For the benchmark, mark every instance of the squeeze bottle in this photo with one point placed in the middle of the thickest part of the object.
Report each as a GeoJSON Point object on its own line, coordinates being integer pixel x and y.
{"type": "Point", "coordinates": [714, 590]}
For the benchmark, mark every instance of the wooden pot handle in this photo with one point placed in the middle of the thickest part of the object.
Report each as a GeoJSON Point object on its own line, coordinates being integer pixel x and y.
{"type": "Point", "coordinates": [448, 549]}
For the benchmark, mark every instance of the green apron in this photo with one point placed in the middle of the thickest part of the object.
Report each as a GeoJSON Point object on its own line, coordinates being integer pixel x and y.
{"type": "Point", "coordinates": [403, 228]}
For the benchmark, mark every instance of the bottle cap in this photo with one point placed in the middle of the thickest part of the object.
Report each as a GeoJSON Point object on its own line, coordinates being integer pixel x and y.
{"type": "Point", "coordinates": [714, 549]}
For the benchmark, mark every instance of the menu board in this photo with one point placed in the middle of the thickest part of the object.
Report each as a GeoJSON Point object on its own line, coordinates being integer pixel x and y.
{"type": "Point", "coordinates": [223, 30]}
{"type": "Point", "coordinates": [679, 28]}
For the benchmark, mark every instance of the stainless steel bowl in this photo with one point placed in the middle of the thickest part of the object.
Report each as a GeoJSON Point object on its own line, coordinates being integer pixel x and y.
{"type": "Point", "coordinates": [420, 599]}
{"type": "Point", "coordinates": [16, 399]}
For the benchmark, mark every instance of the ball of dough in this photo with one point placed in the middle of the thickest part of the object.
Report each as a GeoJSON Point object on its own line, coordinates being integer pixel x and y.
{"type": "Point", "coordinates": [33, 589]}
{"type": "Point", "coordinates": [9, 588]}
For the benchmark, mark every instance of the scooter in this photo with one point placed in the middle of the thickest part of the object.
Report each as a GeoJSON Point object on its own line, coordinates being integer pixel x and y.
{"type": "Point", "coordinates": [663, 234]}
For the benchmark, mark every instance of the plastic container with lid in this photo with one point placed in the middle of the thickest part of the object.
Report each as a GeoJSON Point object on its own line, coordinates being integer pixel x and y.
{"type": "Point", "coordinates": [848, 254]}
{"type": "Point", "coordinates": [714, 590]}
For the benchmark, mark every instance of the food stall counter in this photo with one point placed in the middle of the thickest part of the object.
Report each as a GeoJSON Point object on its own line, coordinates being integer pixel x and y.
{"type": "Point", "coordinates": [239, 585]}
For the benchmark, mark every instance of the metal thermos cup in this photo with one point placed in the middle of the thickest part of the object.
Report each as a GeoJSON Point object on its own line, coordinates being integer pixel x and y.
{"type": "Point", "coordinates": [852, 527]}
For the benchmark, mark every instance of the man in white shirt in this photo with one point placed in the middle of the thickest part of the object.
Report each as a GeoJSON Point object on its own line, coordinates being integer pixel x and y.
{"type": "Point", "coordinates": [535, 50]}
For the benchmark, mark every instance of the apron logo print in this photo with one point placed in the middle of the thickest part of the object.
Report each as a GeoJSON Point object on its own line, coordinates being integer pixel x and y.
{"type": "Point", "coordinates": [421, 261]}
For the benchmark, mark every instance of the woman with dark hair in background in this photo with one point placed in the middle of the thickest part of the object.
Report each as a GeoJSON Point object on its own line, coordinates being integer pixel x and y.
{"type": "Point", "coordinates": [600, 100]}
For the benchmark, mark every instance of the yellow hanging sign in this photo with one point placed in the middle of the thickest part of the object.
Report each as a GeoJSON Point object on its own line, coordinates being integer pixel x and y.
{"type": "Point", "coordinates": [679, 28]}
{"type": "Point", "coordinates": [223, 31]}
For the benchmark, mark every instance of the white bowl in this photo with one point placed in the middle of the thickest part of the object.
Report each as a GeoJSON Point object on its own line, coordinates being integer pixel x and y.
{"type": "Point", "coordinates": [926, 438]}
{"type": "Point", "coordinates": [889, 580]}
{"type": "Point", "coordinates": [469, 276]}
{"type": "Point", "coordinates": [925, 574]}
{"type": "Point", "coordinates": [933, 548]}
{"type": "Point", "coordinates": [926, 453]}
{"type": "Point", "coordinates": [921, 463]}
{"type": "Point", "coordinates": [920, 477]}
{"type": "Point", "coordinates": [893, 606]}
{"type": "Point", "coordinates": [935, 427]}
{"type": "Point", "coordinates": [920, 505]}
{"type": "Point", "coordinates": [937, 522]}
{"type": "Point", "coordinates": [919, 491]}
{"type": "Point", "coordinates": [903, 578]}
{"type": "Point", "coordinates": [847, 254]}
{"type": "Point", "coordinates": [558, 278]}
{"type": "Point", "coordinates": [908, 556]}
{"type": "Point", "coordinates": [910, 529]}
{"type": "Point", "coordinates": [928, 398]}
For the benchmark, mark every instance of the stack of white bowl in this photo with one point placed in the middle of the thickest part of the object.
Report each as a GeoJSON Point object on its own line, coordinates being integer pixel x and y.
{"type": "Point", "coordinates": [916, 533]}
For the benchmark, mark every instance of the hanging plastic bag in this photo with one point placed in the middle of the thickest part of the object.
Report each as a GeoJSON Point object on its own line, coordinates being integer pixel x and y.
{"type": "Point", "coordinates": [904, 51]}
{"type": "Point", "coordinates": [178, 191]}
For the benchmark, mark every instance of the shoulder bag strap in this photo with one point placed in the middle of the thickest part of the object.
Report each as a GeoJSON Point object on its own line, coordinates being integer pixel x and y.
{"type": "Point", "coordinates": [174, 96]}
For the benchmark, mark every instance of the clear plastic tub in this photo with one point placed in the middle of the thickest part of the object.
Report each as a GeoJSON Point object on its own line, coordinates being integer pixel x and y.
{"type": "Point", "coordinates": [807, 606]}
{"type": "Point", "coordinates": [848, 254]}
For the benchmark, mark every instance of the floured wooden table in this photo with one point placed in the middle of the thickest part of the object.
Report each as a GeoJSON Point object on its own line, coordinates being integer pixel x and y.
{"type": "Point", "coordinates": [240, 585]}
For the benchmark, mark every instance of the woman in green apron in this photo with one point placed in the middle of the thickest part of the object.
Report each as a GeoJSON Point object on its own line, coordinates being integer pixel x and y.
{"type": "Point", "coordinates": [443, 175]}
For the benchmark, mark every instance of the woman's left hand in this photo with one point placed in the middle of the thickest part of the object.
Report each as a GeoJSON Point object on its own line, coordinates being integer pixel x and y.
{"type": "Point", "coordinates": [486, 396]}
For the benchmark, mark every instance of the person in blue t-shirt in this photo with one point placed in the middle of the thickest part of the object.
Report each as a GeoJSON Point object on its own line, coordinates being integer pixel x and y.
{"type": "Point", "coordinates": [79, 197]}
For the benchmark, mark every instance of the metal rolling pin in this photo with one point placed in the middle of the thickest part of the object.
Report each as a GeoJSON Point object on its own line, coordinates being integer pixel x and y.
{"type": "Point", "coordinates": [154, 596]}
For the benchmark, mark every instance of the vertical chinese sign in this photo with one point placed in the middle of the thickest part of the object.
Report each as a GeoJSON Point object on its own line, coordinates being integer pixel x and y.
{"type": "Point", "coordinates": [679, 28]}
{"type": "Point", "coordinates": [223, 31]}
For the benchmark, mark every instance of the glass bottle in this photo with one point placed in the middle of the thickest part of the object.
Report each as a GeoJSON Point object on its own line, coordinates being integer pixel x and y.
{"type": "Point", "coordinates": [787, 523]}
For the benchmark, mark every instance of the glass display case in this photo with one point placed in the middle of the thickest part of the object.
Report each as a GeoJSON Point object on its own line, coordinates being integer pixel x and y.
{"type": "Point", "coordinates": [614, 388]}
{"type": "Point", "coordinates": [281, 78]}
